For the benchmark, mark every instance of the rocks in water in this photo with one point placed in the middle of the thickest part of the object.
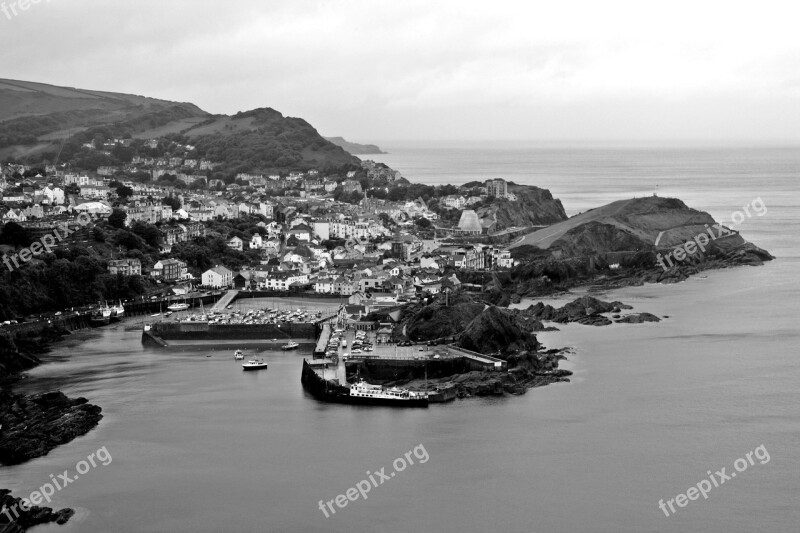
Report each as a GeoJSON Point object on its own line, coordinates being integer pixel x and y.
{"type": "Point", "coordinates": [584, 310]}
{"type": "Point", "coordinates": [34, 425]}
{"type": "Point", "coordinates": [638, 318]}
{"type": "Point", "coordinates": [22, 520]}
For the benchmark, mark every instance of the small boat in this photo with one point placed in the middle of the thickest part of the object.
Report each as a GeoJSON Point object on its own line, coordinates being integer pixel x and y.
{"type": "Point", "coordinates": [238, 355]}
{"type": "Point", "coordinates": [254, 364]}
{"type": "Point", "coordinates": [291, 345]}
{"type": "Point", "coordinates": [178, 307]}
{"type": "Point", "coordinates": [155, 315]}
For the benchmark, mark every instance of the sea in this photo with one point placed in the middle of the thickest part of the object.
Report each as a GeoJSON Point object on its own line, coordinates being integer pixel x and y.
{"type": "Point", "coordinates": [652, 410]}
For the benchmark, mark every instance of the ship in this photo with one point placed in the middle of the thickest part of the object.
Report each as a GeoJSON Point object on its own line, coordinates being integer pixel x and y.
{"type": "Point", "coordinates": [178, 307]}
{"type": "Point", "coordinates": [291, 345]}
{"type": "Point", "coordinates": [100, 316]}
{"type": "Point", "coordinates": [359, 393]}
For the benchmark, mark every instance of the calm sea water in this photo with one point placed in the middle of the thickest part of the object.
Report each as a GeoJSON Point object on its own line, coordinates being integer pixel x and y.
{"type": "Point", "coordinates": [200, 446]}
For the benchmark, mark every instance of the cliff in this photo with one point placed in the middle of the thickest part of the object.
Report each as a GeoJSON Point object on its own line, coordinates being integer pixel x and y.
{"type": "Point", "coordinates": [533, 207]}
{"type": "Point", "coordinates": [355, 148]}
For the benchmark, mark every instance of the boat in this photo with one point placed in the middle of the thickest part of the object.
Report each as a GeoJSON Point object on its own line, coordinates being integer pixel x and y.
{"type": "Point", "coordinates": [238, 355]}
{"type": "Point", "coordinates": [254, 364]}
{"type": "Point", "coordinates": [154, 315]}
{"type": "Point", "coordinates": [117, 312]}
{"type": "Point", "coordinates": [100, 316]}
{"type": "Point", "coordinates": [378, 395]}
{"type": "Point", "coordinates": [178, 307]}
{"type": "Point", "coordinates": [359, 393]}
{"type": "Point", "coordinates": [291, 345]}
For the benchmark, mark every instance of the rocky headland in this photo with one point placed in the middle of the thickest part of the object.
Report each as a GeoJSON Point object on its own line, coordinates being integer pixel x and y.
{"type": "Point", "coordinates": [21, 520]}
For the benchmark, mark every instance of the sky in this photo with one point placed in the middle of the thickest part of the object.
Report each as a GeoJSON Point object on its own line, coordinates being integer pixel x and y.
{"type": "Point", "coordinates": [435, 70]}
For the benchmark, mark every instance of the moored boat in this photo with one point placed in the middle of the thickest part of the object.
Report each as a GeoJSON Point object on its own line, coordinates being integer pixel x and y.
{"type": "Point", "coordinates": [178, 307]}
{"type": "Point", "coordinates": [254, 364]}
{"type": "Point", "coordinates": [238, 355]}
{"type": "Point", "coordinates": [291, 345]}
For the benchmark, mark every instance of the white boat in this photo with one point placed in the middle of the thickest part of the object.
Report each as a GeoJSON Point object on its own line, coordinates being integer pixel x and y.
{"type": "Point", "coordinates": [291, 345]}
{"type": "Point", "coordinates": [238, 355]}
{"type": "Point", "coordinates": [254, 364]}
{"type": "Point", "coordinates": [178, 307]}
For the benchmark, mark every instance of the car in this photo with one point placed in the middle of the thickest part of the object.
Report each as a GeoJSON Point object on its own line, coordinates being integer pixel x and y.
{"type": "Point", "coordinates": [356, 351]}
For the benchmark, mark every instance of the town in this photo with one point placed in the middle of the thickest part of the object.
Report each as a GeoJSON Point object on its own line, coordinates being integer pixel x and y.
{"type": "Point", "coordinates": [366, 234]}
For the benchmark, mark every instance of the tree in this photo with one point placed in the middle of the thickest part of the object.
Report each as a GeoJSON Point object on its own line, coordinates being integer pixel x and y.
{"type": "Point", "coordinates": [124, 192]}
{"type": "Point", "coordinates": [117, 218]}
{"type": "Point", "coordinates": [15, 235]}
{"type": "Point", "coordinates": [171, 201]}
{"type": "Point", "coordinates": [422, 223]}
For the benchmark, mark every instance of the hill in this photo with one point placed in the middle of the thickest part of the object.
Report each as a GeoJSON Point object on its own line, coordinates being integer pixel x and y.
{"type": "Point", "coordinates": [533, 207]}
{"type": "Point", "coordinates": [648, 239]}
{"type": "Point", "coordinates": [37, 120]}
{"type": "Point", "coordinates": [355, 148]}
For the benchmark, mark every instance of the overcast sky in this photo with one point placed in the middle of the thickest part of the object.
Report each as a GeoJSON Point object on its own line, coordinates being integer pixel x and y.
{"type": "Point", "coordinates": [377, 70]}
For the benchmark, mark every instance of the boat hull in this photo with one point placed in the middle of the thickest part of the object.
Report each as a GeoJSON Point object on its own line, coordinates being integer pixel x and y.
{"type": "Point", "coordinates": [335, 393]}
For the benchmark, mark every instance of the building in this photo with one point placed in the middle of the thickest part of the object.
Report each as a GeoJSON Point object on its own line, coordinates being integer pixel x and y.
{"type": "Point", "coordinates": [282, 280]}
{"type": "Point", "coordinates": [217, 277]}
{"type": "Point", "coordinates": [236, 243]}
{"type": "Point", "coordinates": [126, 267]}
{"type": "Point", "coordinates": [469, 222]}
{"type": "Point", "coordinates": [497, 188]}
{"type": "Point", "coordinates": [169, 270]}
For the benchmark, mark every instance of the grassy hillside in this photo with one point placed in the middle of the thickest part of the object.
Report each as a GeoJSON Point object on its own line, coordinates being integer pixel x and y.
{"type": "Point", "coordinates": [36, 119]}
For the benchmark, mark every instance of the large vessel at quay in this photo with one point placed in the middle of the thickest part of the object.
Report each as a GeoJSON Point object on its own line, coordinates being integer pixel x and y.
{"type": "Point", "coordinates": [360, 393]}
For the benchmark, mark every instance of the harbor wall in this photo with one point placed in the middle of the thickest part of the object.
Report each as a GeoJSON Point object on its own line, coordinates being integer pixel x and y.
{"type": "Point", "coordinates": [392, 369]}
{"type": "Point", "coordinates": [204, 331]}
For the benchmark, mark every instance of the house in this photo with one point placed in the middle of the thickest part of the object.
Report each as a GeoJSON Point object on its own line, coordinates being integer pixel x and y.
{"type": "Point", "coordinates": [256, 241]}
{"type": "Point", "coordinates": [324, 285]}
{"type": "Point", "coordinates": [236, 243]}
{"type": "Point", "coordinates": [169, 270]}
{"type": "Point", "coordinates": [282, 280]}
{"type": "Point", "coordinates": [126, 267]}
{"type": "Point", "coordinates": [217, 277]}
{"type": "Point", "coordinates": [301, 232]}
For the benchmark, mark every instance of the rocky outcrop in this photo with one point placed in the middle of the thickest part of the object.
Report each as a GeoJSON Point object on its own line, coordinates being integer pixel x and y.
{"type": "Point", "coordinates": [497, 331]}
{"type": "Point", "coordinates": [34, 425]}
{"type": "Point", "coordinates": [533, 207]}
{"type": "Point", "coordinates": [585, 310]}
{"type": "Point", "coordinates": [23, 520]}
{"type": "Point", "coordinates": [527, 370]}
{"type": "Point", "coordinates": [638, 318]}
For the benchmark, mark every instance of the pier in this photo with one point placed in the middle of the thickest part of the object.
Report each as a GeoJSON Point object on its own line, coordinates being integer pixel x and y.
{"type": "Point", "coordinates": [223, 302]}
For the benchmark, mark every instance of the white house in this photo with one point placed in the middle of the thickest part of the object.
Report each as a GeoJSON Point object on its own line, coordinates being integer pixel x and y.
{"type": "Point", "coordinates": [236, 243]}
{"type": "Point", "coordinates": [217, 277]}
